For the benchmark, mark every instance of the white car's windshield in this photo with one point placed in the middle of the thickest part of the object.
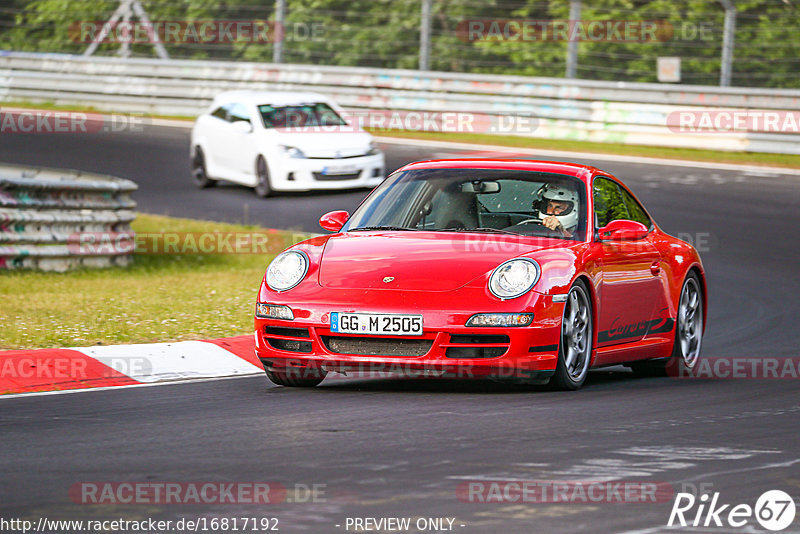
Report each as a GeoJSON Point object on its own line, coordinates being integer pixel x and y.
{"type": "Point", "coordinates": [300, 116]}
{"type": "Point", "coordinates": [487, 200]}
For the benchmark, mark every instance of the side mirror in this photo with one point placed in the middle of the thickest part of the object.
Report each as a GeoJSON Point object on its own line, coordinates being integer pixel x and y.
{"type": "Point", "coordinates": [334, 220]}
{"type": "Point", "coordinates": [623, 230]}
{"type": "Point", "coordinates": [243, 127]}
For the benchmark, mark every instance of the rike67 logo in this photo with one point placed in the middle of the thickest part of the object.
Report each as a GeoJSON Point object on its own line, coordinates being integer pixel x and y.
{"type": "Point", "coordinates": [774, 510]}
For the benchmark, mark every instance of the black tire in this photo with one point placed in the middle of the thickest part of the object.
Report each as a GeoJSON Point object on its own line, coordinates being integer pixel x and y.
{"type": "Point", "coordinates": [679, 363]}
{"type": "Point", "coordinates": [296, 377]}
{"type": "Point", "coordinates": [199, 173]}
{"type": "Point", "coordinates": [577, 340]}
{"type": "Point", "coordinates": [263, 187]}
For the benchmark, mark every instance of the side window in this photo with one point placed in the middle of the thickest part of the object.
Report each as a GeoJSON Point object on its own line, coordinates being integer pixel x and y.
{"type": "Point", "coordinates": [635, 210]}
{"type": "Point", "coordinates": [238, 112]}
{"type": "Point", "coordinates": [608, 203]}
{"type": "Point", "coordinates": [220, 113]}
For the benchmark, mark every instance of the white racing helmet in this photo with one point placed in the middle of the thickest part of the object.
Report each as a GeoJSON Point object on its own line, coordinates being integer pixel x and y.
{"type": "Point", "coordinates": [569, 217]}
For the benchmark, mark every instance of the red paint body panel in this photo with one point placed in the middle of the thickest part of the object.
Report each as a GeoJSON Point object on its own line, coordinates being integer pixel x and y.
{"type": "Point", "coordinates": [419, 260]}
{"type": "Point", "coordinates": [634, 284]}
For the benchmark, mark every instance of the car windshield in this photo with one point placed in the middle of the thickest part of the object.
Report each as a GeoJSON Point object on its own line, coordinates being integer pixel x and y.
{"type": "Point", "coordinates": [300, 116]}
{"type": "Point", "coordinates": [484, 200]}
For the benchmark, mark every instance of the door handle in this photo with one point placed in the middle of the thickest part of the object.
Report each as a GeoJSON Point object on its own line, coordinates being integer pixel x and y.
{"type": "Point", "coordinates": [655, 268]}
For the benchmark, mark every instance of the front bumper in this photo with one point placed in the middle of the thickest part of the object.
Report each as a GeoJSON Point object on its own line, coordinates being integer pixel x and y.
{"type": "Point", "coordinates": [296, 174]}
{"type": "Point", "coordinates": [446, 347]}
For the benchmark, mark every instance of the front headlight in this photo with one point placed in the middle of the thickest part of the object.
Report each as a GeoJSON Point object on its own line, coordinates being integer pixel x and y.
{"type": "Point", "coordinates": [293, 152]}
{"type": "Point", "coordinates": [373, 149]}
{"type": "Point", "coordinates": [287, 270]}
{"type": "Point", "coordinates": [514, 278]}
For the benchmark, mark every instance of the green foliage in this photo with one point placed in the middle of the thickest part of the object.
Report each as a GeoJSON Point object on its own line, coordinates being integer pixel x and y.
{"type": "Point", "coordinates": [385, 33]}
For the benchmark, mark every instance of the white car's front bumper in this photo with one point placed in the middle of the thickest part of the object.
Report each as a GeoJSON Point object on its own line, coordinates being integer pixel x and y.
{"type": "Point", "coordinates": [296, 174]}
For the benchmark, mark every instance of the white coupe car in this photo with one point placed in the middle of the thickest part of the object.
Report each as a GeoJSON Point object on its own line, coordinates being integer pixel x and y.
{"type": "Point", "coordinates": [280, 141]}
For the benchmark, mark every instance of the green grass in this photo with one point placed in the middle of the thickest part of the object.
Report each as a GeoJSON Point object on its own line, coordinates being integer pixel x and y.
{"type": "Point", "coordinates": [691, 154]}
{"type": "Point", "coordinates": [158, 298]}
{"type": "Point", "coordinates": [52, 106]}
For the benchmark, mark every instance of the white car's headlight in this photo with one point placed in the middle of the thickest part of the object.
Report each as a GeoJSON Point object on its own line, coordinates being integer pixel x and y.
{"type": "Point", "coordinates": [287, 270]}
{"type": "Point", "coordinates": [292, 152]}
{"type": "Point", "coordinates": [514, 278]}
{"type": "Point", "coordinates": [373, 149]}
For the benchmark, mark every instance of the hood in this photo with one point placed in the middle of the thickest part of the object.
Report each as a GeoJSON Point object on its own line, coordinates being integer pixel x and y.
{"type": "Point", "coordinates": [328, 143]}
{"type": "Point", "coordinates": [417, 261]}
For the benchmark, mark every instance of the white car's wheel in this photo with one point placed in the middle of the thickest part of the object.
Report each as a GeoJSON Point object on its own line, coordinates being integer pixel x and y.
{"type": "Point", "coordinates": [199, 173]}
{"type": "Point", "coordinates": [263, 186]}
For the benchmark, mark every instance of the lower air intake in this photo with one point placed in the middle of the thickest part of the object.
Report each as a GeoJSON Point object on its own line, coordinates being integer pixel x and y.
{"type": "Point", "coordinates": [320, 177]}
{"type": "Point", "coordinates": [375, 346]}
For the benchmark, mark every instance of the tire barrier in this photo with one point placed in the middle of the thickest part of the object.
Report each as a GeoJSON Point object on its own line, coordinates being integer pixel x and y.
{"type": "Point", "coordinates": [45, 214]}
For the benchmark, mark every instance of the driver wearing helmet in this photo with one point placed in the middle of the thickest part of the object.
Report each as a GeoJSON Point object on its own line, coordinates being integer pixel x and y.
{"type": "Point", "coordinates": [558, 209]}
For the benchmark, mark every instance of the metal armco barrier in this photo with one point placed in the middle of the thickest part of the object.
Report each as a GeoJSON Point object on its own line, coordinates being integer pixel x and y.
{"type": "Point", "coordinates": [45, 214]}
{"type": "Point", "coordinates": [632, 113]}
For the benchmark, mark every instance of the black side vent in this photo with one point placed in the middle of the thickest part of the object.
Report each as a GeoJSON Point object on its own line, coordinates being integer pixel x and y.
{"type": "Point", "coordinates": [469, 346]}
{"type": "Point", "coordinates": [290, 345]}
{"type": "Point", "coordinates": [286, 331]}
{"type": "Point", "coordinates": [277, 336]}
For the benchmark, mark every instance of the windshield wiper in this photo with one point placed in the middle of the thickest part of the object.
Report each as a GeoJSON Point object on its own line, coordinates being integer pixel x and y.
{"type": "Point", "coordinates": [481, 229]}
{"type": "Point", "coordinates": [394, 228]}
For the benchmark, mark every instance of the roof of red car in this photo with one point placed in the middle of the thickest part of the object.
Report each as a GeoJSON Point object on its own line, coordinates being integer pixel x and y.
{"type": "Point", "coordinates": [570, 169]}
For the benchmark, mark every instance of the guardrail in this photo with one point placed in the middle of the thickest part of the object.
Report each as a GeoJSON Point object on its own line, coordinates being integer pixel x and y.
{"type": "Point", "coordinates": [633, 113]}
{"type": "Point", "coordinates": [46, 213]}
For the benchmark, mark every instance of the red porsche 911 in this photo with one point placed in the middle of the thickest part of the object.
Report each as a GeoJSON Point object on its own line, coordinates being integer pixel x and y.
{"type": "Point", "coordinates": [514, 270]}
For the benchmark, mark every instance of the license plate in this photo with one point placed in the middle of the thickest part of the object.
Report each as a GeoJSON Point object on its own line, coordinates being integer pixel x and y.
{"type": "Point", "coordinates": [376, 323]}
{"type": "Point", "coordinates": [346, 169]}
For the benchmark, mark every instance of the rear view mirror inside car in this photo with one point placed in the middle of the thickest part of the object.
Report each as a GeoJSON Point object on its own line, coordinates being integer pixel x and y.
{"type": "Point", "coordinates": [480, 186]}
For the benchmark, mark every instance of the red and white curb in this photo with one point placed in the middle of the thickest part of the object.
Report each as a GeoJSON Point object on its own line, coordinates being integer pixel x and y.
{"type": "Point", "coordinates": [62, 370]}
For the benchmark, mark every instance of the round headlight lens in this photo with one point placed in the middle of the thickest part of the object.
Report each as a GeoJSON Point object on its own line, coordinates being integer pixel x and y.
{"type": "Point", "coordinates": [286, 270]}
{"type": "Point", "coordinates": [514, 278]}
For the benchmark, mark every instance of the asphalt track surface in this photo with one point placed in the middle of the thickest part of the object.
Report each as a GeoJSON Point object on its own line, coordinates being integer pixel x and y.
{"type": "Point", "coordinates": [400, 448]}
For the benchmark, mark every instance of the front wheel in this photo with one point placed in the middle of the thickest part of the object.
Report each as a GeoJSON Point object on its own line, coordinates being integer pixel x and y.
{"type": "Point", "coordinates": [575, 349]}
{"type": "Point", "coordinates": [199, 173]}
{"type": "Point", "coordinates": [263, 187]}
{"type": "Point", "coordinates": [299, 377]}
